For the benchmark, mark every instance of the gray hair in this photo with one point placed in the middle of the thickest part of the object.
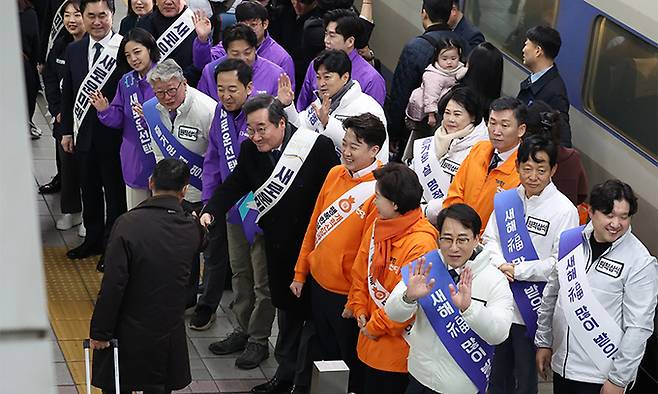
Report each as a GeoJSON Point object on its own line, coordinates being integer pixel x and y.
{"type": "Point", "coordinates": [166, 70]}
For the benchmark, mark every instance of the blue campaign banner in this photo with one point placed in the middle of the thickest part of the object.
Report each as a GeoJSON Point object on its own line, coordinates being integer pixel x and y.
{"type": "Point", "coordinates": [516, 244]}
{"type": "Point", "coordinates": [169, 144]}
{"type": "Point", "coordinates": [470, 352]}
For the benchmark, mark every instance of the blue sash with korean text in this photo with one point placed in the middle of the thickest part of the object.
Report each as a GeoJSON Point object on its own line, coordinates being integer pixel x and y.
{"type": "Point", "coordinates": [136, 128]}
{"type": "Point", "coordinates": [470, 352]}
{"type": "Point", "coordinates": [517, 247]}
{"type": "Point", "coordinates": [169, 144]}
{"type": "Point", "coordinates": [228, 160]}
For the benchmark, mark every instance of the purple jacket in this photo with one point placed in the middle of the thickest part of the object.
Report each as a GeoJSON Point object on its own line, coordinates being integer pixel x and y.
{"type": "Point", "coordinates": [268, 49]}
{"type": "Point", "coordinates": [372, 83]}
{"type": "Point", "coordinates": [214, 171]}
{"type": "Point", "coordinates": [134, 164]}
{"type": "Point", "coordinates": [265, 77]}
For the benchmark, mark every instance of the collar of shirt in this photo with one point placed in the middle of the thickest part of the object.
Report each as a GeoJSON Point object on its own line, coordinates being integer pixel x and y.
{"type": "Point", "coordinates": [535, 77]}
{"type": "Point", "coordinates": [506, 155]}
{"type": "Point", "coordinates": [459, 20]}
{"type": "Point", "coordinates": [365, 171]}
{"type": "Point", "coordinates": [91, 50]}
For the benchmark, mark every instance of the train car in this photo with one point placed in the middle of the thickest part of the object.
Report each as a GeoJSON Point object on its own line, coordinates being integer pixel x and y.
{"type": "Point", "coordinates": [609, 62]}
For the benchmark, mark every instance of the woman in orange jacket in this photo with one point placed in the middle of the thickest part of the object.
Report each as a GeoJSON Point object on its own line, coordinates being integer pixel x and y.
{"type": "Point", "coordinates": [398, 236]}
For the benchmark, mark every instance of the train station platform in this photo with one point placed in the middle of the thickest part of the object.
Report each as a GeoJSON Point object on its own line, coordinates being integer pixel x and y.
{"type": "Point", "coordinates": [72, 286]}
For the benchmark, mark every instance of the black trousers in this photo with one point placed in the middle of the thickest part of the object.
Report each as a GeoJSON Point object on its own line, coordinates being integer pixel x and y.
{"type": "Point", "coordinates": [103, 193]}
{"type": "Point", "coordinates": [568, 386]}
{"type": "Point", "coordinates": [291, 351]}
{"type": "Point", "coordinates": [415, 387]}
{"type": "Point", "coordinates": [193, 284]}
{"type": "Point", "coordinates": [336, 336]}
{"type": "Point", "coordinates": [215, 265]}
{"type": "Point", "coordinates": [513, 368]}
{"type": "Point", "coordinates": [384, 382]}
{"type": "Point", "coordinates": [67, 171]}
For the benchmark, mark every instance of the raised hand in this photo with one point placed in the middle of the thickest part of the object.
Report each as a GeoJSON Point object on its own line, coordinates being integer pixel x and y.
{"type": "Point", "coordinates": [323, 111]}
{"type": "Point", "coordinates": [285, 93]}
{"type": "Point", "coordinates": [202, 25]}
{"type": "Point", "coordinates": [462, 299]}
{"type": "Point", "coordinates": [418, 286]}
{"type": "Point", "coordinates": [99, 101]}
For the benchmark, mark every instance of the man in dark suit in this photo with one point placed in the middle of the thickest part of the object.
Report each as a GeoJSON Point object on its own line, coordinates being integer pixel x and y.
{"type": "Point", "coordinates": [96, 146]}
{"type": "Point", "coordinates": [471, 35]}
{"type": "Point", "coordinates": [284, 224]}
{"type": "Point", "coordinates": [542, 45]}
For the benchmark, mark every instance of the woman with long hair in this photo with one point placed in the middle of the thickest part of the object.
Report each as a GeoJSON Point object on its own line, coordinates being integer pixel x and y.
{"type": "Point", "coordinates": [29, 25]}
{"type": "Point", "coordinates": [137, 9]}
{"type": "Point", "coordinates": [66, 179]}
{"type": "Point", "coordinates": [138, 52]}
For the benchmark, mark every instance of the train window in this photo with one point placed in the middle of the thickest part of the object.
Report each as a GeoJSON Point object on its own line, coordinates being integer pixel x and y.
{"type": "Point", "coordinates": [621, 85]}
{"type": "Point", "coordinates": [505, 22]}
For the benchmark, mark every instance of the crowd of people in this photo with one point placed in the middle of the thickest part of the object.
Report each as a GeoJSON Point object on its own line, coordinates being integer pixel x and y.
{"type": "Point", "coordinates": [435, 236]}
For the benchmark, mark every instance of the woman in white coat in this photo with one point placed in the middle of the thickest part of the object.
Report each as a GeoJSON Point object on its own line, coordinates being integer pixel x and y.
{"type": "Point", "coordinates": [483, 299]}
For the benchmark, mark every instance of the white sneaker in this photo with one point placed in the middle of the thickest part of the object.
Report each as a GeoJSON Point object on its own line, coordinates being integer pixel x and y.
{"type": "Point", "coordinates": [82, 231]}
{"type": "Point", "coordinates": [68, 221]}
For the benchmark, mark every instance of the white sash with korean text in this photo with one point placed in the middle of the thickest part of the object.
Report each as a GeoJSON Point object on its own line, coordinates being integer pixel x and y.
{"type": "Point", "coordinates": [96, 78]}
{"type": "Point", "coordinates": [175, 34]}
{"type": "Point", "coordinates": [285, 171]}
{"type": "Point", "coordinates": [427, 168]}
{"type": "Point", "coordinates": [58, 24]}
{"type": "Point", "coordinates": [342, 208]}
{"type": "Point", "coordinates": [594, 329]}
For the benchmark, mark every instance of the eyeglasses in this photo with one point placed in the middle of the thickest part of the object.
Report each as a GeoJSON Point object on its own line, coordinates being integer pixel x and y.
{"type": "Point", "coordinates": [447, 241]}
{"type": "Point", "coordinates": [261, 131]}
{"type": "Point", "coordinates": [168, 92]}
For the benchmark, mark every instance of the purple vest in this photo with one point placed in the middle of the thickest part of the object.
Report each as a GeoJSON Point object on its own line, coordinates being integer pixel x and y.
{"type": "Point", "coordinates": [265, 77]}
{"type": "Point", "coordinates": [268, 49]}
{"type": "Point", "coordinates": [134, 164]}
{"type": "Point", "coordinates": [372, 83]}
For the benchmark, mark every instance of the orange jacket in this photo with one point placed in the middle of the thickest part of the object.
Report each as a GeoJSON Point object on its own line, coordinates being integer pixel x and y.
{"type": "Point", "coordinates": [389, 352]}
{"type": "Point", "coordinates": [331, 261]}
{"type": "Point", "coordinates": [474, 187]}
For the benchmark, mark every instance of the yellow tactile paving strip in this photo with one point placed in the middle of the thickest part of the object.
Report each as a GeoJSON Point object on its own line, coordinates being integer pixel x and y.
{"type": "Point", "coordinates": [72, 287]}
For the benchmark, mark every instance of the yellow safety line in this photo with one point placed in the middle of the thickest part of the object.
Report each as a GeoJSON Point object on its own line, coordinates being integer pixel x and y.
{"type": "Point", "coordinates": [72, 287]}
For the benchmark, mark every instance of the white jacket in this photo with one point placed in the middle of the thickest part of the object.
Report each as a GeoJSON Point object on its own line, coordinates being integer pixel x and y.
{"type": "Point", "coordinates": [354, 102]}
{"type": "Point", "coordinates": [546, 216]}
{"type": "Point", "coordinates": [490, 316]}
{"type": "Point", "coordinates": [191, 128]}
{"type": "Point", "coordinates": [629, 295]}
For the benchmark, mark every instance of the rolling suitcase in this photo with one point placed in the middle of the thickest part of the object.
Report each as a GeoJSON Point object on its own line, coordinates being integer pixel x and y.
{"type": "Point", "coordinates": [114, 343]}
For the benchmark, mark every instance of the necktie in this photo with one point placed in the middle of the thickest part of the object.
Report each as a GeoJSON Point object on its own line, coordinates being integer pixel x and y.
{"type": "Point", "coordinates": [99, 48]}
{"type": "Point", "coordinates": [495, 159]}
{"type": "Point", "coordinates": [455, 276]}
{"type": "Point", "coordinates": [276, 154]}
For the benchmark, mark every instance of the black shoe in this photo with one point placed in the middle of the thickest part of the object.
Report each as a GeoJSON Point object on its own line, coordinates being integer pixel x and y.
{"type": "Point", "coordinates": [83, 251]}
{"type": "Point", "coordinates": [202, 319]}
{"type": "Point", "coordinates": [273, 386]}
{"type": "Point", "coordinates": [234, 343]}
{"type": "Point", "coordinates": [253, 355]}
{"type": "Point", "coordinates": [54, 186]}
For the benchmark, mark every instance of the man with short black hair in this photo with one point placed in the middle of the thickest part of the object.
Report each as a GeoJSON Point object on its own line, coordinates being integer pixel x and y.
{"type": "Point", "coordinates": [249, 13]}
{"type": "Point", "coordinates": [542, 46]}
{"type": "Point", "coordinates": [416, 55]}
{"type": "Point", "coordinates": [471, 35]}
{"type": "Point", "coordinates": [142, 297]}
{"type": "Point", "coordinates": [240, 42]}
{"type": "Point", "coordinates": [342, 29]}
{"type": "Point", "coordinates": [490, 166]}
{"type": "Point", "coordinates": [598, 307]}
{"type": "Point", "coordinates": [534, 213]}
{"type": "Point", "coordinates": [285, 169]}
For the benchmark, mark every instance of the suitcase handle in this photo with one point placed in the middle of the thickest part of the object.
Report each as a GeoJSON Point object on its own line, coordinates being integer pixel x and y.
{"type": "Point", "coordinates": [114, 343]}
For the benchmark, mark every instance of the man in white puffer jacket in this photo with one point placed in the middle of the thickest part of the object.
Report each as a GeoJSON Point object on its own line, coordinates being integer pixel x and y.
{"type": "Point", "coordinates": [338, 98]}
{"type": "Point", "coordinates": [484, 300]}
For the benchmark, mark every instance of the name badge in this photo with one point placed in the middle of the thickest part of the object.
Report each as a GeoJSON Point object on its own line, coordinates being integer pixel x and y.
{"type": "Point", "coordinates": [60, 61]}
{"type": "Point", "coordinates": [537, 226]}
{"type": "Point", "coordinates": [450, 167]}
{"type": "Point", "coordinates": [609, 267]}
{"type": "Point", "coordinates": [188, 133]}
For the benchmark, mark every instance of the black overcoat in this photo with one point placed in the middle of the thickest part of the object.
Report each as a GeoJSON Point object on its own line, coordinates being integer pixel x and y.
{"type": "Point", "coordinates": [285, 224]}
{"type": "Point", "coordinates": [142, 298]}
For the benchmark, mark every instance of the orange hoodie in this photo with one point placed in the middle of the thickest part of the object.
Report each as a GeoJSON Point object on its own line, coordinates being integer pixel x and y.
{"type": "Point", "coordinates": [331, 261]}
{"type": "Point", "coordinates": [389, 352]}
{"type": "Point", "coordinates": [474, 187]}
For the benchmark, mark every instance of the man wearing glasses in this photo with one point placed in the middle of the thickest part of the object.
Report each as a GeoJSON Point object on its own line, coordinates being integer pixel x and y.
{"type": "Point", "coordinates": [179, 118]}
{"type": "Point", "coordinates": [285, 169]}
